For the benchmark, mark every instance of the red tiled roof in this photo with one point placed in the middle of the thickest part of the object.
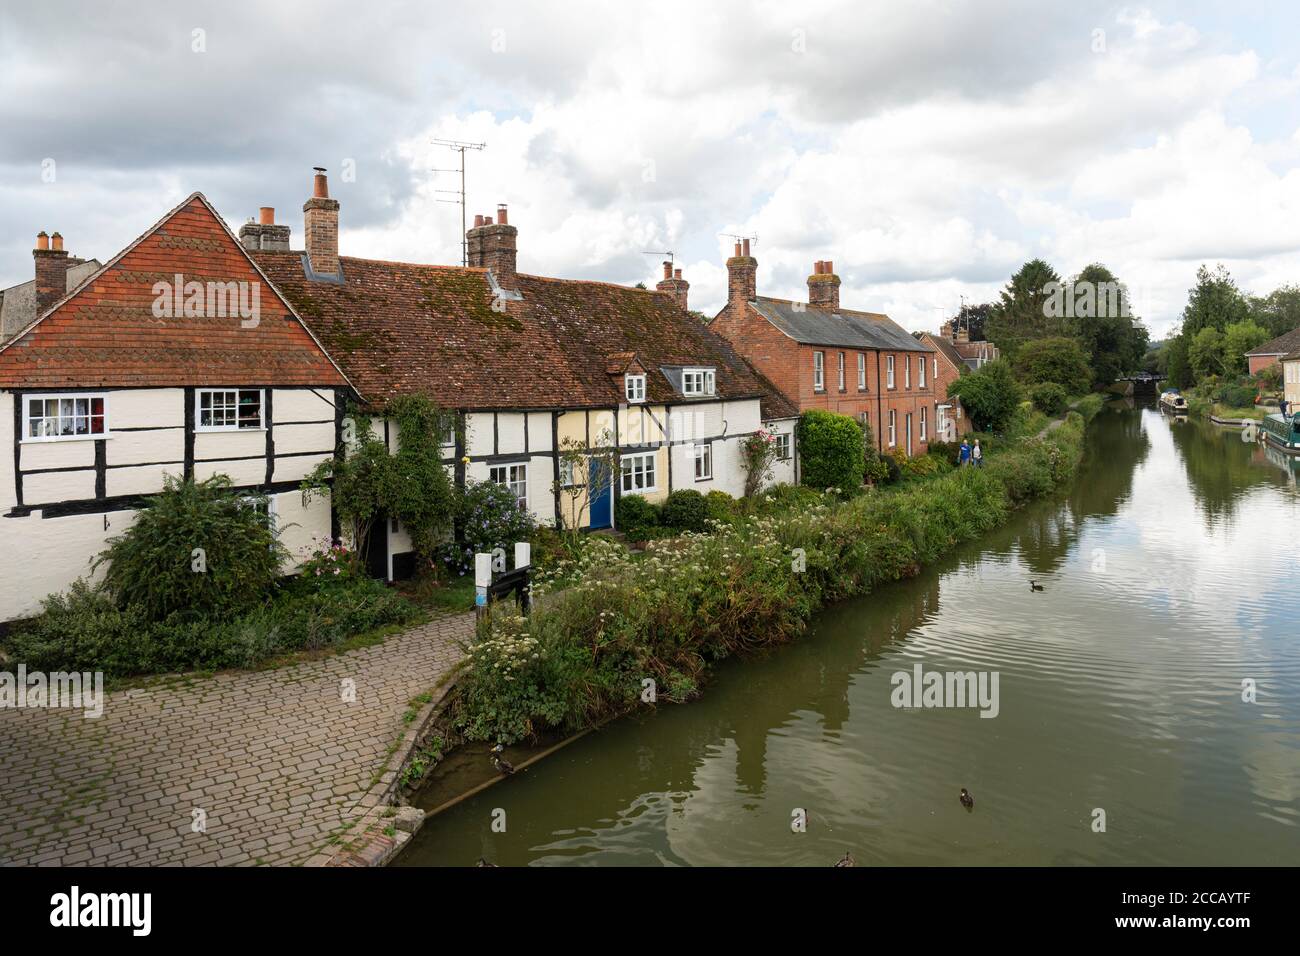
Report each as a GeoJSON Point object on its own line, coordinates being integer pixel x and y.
{"type": "Point", "coordinates": [104, 333]}
{"type": "Point", "coordinates": [948, 350]}
{"type": "Point", "coordinates": [399, 328]}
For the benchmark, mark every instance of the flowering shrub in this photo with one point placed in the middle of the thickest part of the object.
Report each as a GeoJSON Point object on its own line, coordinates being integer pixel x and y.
{"type": "Point", "coordinates": [489, 516]}
{"type": "Point", "coordinates": [330, 562]}
{"type": "Point", "coordinates": [758, 454]}
{"type": "Point", "coordinates": [606, 619]}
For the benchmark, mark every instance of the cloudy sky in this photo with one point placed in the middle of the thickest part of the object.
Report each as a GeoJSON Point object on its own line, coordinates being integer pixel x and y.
{"type": "Point", "coordinates": [928, 148]}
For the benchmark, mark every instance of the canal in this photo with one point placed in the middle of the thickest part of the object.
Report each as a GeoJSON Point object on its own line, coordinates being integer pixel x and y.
{"type": "Point", "coordinates": [1170, 575]}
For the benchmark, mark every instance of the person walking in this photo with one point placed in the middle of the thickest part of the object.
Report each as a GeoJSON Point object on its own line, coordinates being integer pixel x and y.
{"type": "Point", "coordinates": [963, 456]}
{"type": "Point", "coordinates": [976, 455]}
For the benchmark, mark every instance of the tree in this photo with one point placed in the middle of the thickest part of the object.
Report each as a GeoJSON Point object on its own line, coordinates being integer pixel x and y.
{"type": "Point", "coordinates": [990, 393]}
{"type": "Point", "coordinates": [1178, 366]}
{"type": "Point", "coordinates": [1020, 314]}
{"type": "Point", "coordinates": [1238, 339]}
{"type": "Point", "coordinates": [1205, 352]}
{"type": "Point", "coordinates": [1214, 302]}
{"type": "Point", "coordinates": [1279, 311]}
{"type": "Point", "coordinates": [1103, 320]}
{"type": "Point", "coordinates": [1059, 360]}
{"type": "Point", "coordinates": [584, 470]}
{"type": "Point", "coordinates": [974, 318]}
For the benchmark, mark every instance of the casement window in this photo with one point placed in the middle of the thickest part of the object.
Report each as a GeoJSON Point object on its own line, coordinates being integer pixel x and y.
{"type": "Point", "coordinates": [889, 371]}
{"type": "Point", "coordinates": [265, 505]}
{"type": "Point", "coordinates": [697, 381]}
{"type": "Point", "coordinates": [923, 413]}
{"type": "Point", "coordinates": [841, 371]}
{"type": "Point", "coordinates": [920, 372]}
{"type": "Point", "coordinates": [893, 432]}
{"type": "Point", "coordinates": [228, 410]}
{"type": "Point", "coordinates": [703, 462]}
{"type": "Point", "coordinates": [819, 371]}
{"type": "Point", "coordinates": [566, 472]}
{"type": "Point", "coordinates": [862, 372]}
{"type": "Point", "coordinates": [936, 368]}
{"type": "Point", "coordinates": [638, 472]}
{"type": "Point", "coordinates": [514, 477]}
{"type": "Point", "coordinates": [784, 446]}
{"type": "Point", "coordinates": [634, 388]}
{"type": "Point", "coordinates": [907, 371]}
{"type": "Point", "coordinates": [55, 417]}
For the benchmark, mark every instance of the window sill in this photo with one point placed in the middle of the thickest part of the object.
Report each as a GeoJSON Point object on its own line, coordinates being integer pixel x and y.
{"type": "Point", "coordinates": [55, 439]}
{"type": "Point", "coordinates": [198, 430]}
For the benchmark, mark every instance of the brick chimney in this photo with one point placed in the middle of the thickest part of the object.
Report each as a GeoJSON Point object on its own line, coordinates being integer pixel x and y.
{"type": "Point", "coordinates": [493, 246]}
{"type": "Point", "coordinates": [742, 275]}
{"type": "Point", "coordinates": [265, 233]}
{"type": "Point", "coordinates": [321, 227]}
{"type": "Point", "coordinates": [51, 270]}
{"type": "Point", "coordinates": [824, 286]}
{"type": "Point", "coordinates": [674, 285]}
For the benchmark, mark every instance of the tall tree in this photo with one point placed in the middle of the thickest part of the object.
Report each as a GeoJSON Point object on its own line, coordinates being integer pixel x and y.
{"type": "Point", "coordinates": [1113, 337]}
{"type": "Point", "coordinates": [1021, 312]}
{"type": "Point", "coordinates": [1214, 302]}
{"type": "Point", "coordinates": [1279, 311]}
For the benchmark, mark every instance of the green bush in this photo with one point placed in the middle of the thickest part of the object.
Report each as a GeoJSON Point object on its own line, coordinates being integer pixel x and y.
{"type": "Point", "coordinates": [945, 450]}
{"type": "Point", "coordinates": [831, 450]}
{"type": "Point", "coordinates": [489, 517]}
{"type": "Point", "coordinates": [1049, 398]}
{"type": "Point", "coordinates": [1237, 396]}
{"type": "Point", "coordinates": [1058, 360]}
{"type": "Point", "coordinates": [85, 629]}
{"type": "Point", "coordinates": [198, 548]}
{"type": "Point", "coordinates": [990, 394]}
{"type": "Point", "coordinates": [721, 506]}
{"type": "Point", "coordinates": [633, 515]}
{"type": "Point", "coordinates": [685, 510]}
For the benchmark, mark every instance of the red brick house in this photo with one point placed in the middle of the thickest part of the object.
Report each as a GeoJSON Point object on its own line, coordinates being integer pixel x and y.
{"type": "Point", "coordinates": [820, 355]}
{"type": "Point", "coordinates": [1270, 353]}
{"type": "Point", "coordinates": [947, 364]}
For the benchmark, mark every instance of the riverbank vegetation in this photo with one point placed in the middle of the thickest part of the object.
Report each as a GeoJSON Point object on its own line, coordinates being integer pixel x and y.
{"type": "Point", "coordinates": [612, 628]}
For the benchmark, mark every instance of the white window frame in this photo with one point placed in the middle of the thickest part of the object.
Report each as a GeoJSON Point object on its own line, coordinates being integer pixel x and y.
{"type": "Point", "coordinates": [632, 480]}
{"type": "Point", "coordinates": [841, 371]}
{"type": "Point", "coordinates": [61, 397]}
{"type": "Point", "coordinates": [784, 446]}
{"type": "Point", "coordinates": [893, 428]}
{"type": "Point", "coordinates": [703, 456]}
{"type": "Point", "coordinates": [923, 438]}
{"type": "Point", "coordinates": [634, 388]}
{"type": "Point", "coordinates": [271, 510]}
{"type": "Point", "coordinates": [920, 372]}
{"type": "Point", "coordinates": [198, 409]}
{"type": "Point", "coordinates": [889, 373]}
{"type": "Point", "coordinates": [907, 371]}
{"type": "Point", "coordinates": [512, 480]}
{"type": "Point", "coordinates": [862, 372]}
{"type": "Point", "coordinates": [707, 381]}
{"type": "Point", "coordinates": [819, 371]}
{"type": "Point", "coordinates": [935, 369]}
{"type": "Point", "coordinates": [566, 465]}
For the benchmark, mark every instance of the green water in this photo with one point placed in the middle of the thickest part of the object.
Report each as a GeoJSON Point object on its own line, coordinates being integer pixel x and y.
{"type": "Point", "coordinates": [1171, 573]}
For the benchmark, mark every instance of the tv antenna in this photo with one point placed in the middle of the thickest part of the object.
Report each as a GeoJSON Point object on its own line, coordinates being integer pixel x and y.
{"type": "Point", "coordinates": [460, 147]}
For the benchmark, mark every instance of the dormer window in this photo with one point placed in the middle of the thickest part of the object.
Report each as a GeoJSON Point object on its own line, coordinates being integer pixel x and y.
{"type": "Point", "coordinates": [634, 388]}
{"type": "Point", "coordinates": [697, 381]}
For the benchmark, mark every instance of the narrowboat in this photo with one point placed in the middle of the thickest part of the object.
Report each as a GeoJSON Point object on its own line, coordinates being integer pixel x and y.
{"type": "Point", "coordinates": [1282, 432]}
{"type": "Point", "coordinates": [1173, 400]}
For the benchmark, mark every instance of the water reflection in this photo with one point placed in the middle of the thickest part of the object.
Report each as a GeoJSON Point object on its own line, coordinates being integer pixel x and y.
{"type": "Point", "coordinates": [1170, 576]}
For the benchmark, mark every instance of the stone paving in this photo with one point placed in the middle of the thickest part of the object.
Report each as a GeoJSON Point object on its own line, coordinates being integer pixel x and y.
{"type": "Point", "coordinates": [277, 762]}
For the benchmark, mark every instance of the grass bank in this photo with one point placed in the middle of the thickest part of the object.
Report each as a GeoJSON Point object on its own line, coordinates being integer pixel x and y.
{"type": "Point", "coordinates": [616, 621]}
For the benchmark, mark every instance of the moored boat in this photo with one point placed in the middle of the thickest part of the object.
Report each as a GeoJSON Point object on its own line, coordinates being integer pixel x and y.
{"type": "Point", "coordinates": [1172, 400]}
{"type": "Point", "coordinates": [1282, 432]}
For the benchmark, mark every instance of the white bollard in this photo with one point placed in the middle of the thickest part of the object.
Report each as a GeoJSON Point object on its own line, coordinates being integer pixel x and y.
{"type": "Point", "coordinates": [482, 578]}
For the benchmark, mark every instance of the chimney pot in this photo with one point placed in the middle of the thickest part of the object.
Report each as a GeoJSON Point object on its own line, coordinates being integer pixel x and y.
{"type": "Point", "coordinates": [828, 268]}
{"type": "Point", "coordinates": [56, 242]}
{"type": "Point", "coordinates": [737, 248]}
{"type": "Point", "coordinates": [42, 240]}
{"type": "Point", "coordinates": [501, 214]}
{"type": "Point", "coordinates": [668, 270]}
{"type": "Point", "coordinates": [478, 219]}
{"type": "Point", "coordinates": [320, 187]}
{"type": "Point", "coordinates": [744, 245]}
{"type": "Point", "coordinates": [817, 268]}
{"type": "Point", "coordinates": [487, 220]}
{"type": "Point", "coordinates": [677, 273]}
{"type": "Point", "coordinates": [266, 215]}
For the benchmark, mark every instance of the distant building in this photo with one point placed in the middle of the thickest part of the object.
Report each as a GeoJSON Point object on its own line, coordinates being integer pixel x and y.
{"type": "Point", "coordinates": [1291, 381]}
{"type": "Point", "coordinates": [1270, 353]}
{"type": "Point", "coordinates": [950, 420]}
{"type": "Point", "coordinates": [973, 353]}
{"type": "Point", "coordinates": [56, 274]}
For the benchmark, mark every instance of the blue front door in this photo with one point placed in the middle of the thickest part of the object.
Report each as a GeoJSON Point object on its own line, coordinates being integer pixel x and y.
{"type": "Point", "coordinates": [602, 501]}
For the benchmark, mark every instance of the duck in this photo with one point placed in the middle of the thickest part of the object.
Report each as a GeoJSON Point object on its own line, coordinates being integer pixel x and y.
{"type": "Point", "coordinates": [966, 799]}
{"type": "Point", "coordinates": [502, 765]}
{"type": "Point", "coordinates": [1034, 586]}
{"type": "Point", "coordinates": [483, 862]}
{"type": "Point", "coordinates": [846, 860]}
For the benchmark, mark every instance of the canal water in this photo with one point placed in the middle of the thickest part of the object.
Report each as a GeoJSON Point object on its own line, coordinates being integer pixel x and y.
{"type": "Point", "coordinates": [1170, 575]}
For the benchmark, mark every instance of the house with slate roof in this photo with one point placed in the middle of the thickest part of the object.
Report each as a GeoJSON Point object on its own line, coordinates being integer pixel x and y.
{"type": "Point", "coordinates": [530, 365]}
{"type": "Point", "coordinates": [176, 357]}
{"type": "Point", "coordinates": [821, 355]}
{"type": "Point", "coordinates": [947, 364]}
{"type": "Point", "coordinates": [1273, 351]}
